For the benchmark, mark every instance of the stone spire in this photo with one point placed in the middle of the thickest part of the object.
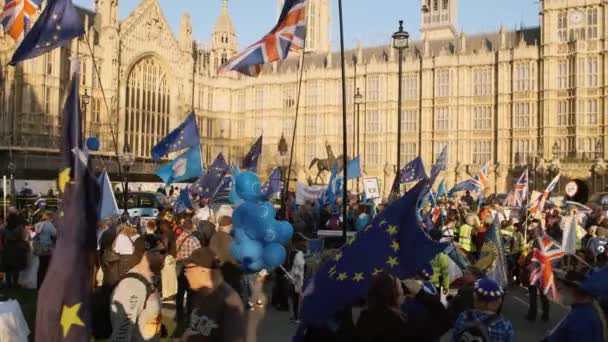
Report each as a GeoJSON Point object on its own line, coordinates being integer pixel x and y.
{"type": "Point", "coordinates": [223, 40]}
{"type": "Point", "coordinates": [185, 33]}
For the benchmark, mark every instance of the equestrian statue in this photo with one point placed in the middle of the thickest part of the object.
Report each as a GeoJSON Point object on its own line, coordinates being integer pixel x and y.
{"type": "Point", "coordinates": [326, 164]}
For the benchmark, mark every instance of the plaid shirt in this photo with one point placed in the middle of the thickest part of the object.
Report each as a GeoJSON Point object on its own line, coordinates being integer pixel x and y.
{"type": "Point", "coordinates": [186, 244]}
{"type": "Point", "coordinates": [500, 329]}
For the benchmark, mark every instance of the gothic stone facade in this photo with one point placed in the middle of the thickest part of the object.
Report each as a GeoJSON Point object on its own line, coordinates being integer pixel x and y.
{"type": "Point", "coordinates": [530, 97]}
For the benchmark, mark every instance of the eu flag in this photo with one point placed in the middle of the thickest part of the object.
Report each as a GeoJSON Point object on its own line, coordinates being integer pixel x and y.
{"type": "Point", "coordinates": [186, 166]}
{"type": "Point", "coordinates": [393, 242]}
{"type": "Point", "coordinates": [353, 168]}
{"type": "Point", "coordinates": [442, 190]}
{"type": "Point", "coordinates": [273, 184]}
{"type": "Point", "coordinates": [207, 185]}
{"type": "Point", "coordinates": [441, 164]}
{"type": "Point", "coordinates": [184, 136]}
{"type": "Point", "coordinates": [250, 162]}
{"type": "Point", "coordinates": [72, 133]}
{"type": "Point", "coordinates": [413, 171]}
{"type": "Point", "coordinates": [108, 206]}
{"type": "Point", "coordinates": [183, 202]}
{"type": "Point", "coordinates": [63, 310]}
{"type": "Point", "coordinates": [58, 23]}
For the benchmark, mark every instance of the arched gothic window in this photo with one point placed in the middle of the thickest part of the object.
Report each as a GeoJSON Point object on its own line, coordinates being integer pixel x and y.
{"type": "Point", "coordinates": [148, 103]}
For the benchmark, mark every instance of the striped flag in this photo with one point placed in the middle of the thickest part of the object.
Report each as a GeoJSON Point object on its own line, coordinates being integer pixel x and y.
{"type": "Point", "coordinates": [18, 17]}
{"type": "Point", "coordinates": [542, 256]}
{"type": "Point", "coordinates": [480, 182]}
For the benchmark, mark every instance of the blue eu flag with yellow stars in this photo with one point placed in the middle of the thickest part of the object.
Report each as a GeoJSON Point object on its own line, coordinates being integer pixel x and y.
{"type": "Point", "coordinates": [58, 23]}
{"type": "Point", "coordinates": [184, 136]}
{"type": "Point", "coordinates": [63, 310]}
{"type": "Point", "coordinates": [250, 162]}
{"type": "Point", "coordinates": [393, 242]}
{"type": "Point", "coordinates": [207, 185]}
{"type": "Point", "coordinates": [186, 166]}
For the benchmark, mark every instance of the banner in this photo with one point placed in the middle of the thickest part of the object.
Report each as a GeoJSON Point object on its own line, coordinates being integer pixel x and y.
{"type": "Point", "coordinates": [308, 193]}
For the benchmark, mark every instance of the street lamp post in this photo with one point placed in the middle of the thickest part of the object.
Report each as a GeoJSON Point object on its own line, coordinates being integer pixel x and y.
{"type": "Point", "coordinates": [85, 102]}
{"type": "Point", "coordinates": [11, 169]}
{"type": "Point", "coordinates": [556, 154]}
{"type": "Point", "coordinates": [126, 160]}
{"type": "Point", "coordinates": [400, 42]}
{"type": "Point", "coordinates": [358, 100]}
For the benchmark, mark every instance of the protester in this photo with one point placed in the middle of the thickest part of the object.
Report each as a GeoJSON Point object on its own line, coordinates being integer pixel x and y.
{"type": "Point", "coordinates": [217, 312]}
{"type": "Point", "coordinates": [136, 303]}
{"type": "Point", "coordinates": [586, 321]}
{"type": "Point", "coordinates": [43, 244]}
{"type": "Point", "coordinates": [484, 323]}
{"type": "Point", "coordinates": [16, 248]}
{"type": "Point", "coordinates": [187, 242]}
{"type": "Point", "coordinates": [296, 274]}
{"type": "Point", "coordinates": [383, 319]}
{"type": "Point", "coordinates": [464, 299]}
{"type": "Point", "coordinates": [465, 234]}
{"type": "Point", "coordinates": [203, 213]}
{"type": "Point", "coordinates": [168, 274]}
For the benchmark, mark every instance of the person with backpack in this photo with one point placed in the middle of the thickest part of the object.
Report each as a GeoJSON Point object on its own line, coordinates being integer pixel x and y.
{"type": "Point", "coordinates": [43, 244]}
{"type": "Point", "coordinates": [586, 320]}
{"type": "Point", "coordinates": [135, 304]}
{"type": "Point", "coordinates": [484, 323]}
{"type": "Point", "coordinates": [186, 243]}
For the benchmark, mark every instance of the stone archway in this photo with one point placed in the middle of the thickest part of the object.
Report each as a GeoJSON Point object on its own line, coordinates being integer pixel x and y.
{"type": "Point", "coordinates": [148, 105]}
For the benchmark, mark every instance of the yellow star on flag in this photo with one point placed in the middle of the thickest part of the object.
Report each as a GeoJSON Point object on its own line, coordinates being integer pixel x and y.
{"type": "Point", "coordinates": [358, 277]}
{"type": "Point", "coordinates": [342, 276]}
{"type": "Point", "coordinates": [64, 178]}
{"type": "Point", "coordinates": [338, 256]}
{"type": "Point", "coordinates": [383, 222]}
{"type": "Point", "coordinates": [392, 261]}
{"type": "Point", "coordinates": [395, 246]}
{"type": "Point", "coordinates": [69, 317]}
{"type": "Point", "coordinates": [392, 230]}
{"type": "Point", "coordinates": [350, 240]}
{"type": "Point", "coordinates": [377, 271]}
{"type": "Point", "coordinates": [332, 271]}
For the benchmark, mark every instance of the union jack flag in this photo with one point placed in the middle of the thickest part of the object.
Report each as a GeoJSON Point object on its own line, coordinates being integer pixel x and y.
{"type": "Point", "coordinates": [542, 256]}
{"type": "Point", "coordinates": [18, 17]}
{"type": "Point", "coordinates": [480, 182]}
{"type": "Point", "coordinates": [543, 198]}
{"type": "Point", "coordinates": [520, 192]}
{"type": "Point", "coordinates": [436, 215]}
{"type": "Point", "coordinates": [288, 34]}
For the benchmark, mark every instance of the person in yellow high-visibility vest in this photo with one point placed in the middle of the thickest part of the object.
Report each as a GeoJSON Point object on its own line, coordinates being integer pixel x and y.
{"type": "Point", "coordinates": [441, 266]}
{"type": "Point", "coordinates": [465, 233]}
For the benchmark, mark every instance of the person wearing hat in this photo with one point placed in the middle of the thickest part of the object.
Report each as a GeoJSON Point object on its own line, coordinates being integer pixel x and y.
{"type": "Point", "coordinates": [218, 314]}
{"type": "Point", "coordinates": [488, 300]}
{"type": "Point", "coordinates": [586, 321]}
{"type": "Point", "coordinates": [464, 299]}
{"type": "Point", "coordinates": [135, 309]}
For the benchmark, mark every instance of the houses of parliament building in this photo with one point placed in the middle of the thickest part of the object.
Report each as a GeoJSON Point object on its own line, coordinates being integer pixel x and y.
{"type": "Point", "coordinates": [531, 98]}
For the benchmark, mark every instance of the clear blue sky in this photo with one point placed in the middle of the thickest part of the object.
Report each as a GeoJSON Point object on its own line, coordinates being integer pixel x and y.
{"type": "Point", "coordinates": [371, 21]}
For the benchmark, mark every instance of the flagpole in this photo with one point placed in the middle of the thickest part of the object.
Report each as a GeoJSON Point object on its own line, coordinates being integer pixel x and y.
{"type": "Point", "coordinates": [344, 135]}
{"type": "Point", "coordinates": [293, 135]}
{"type": "Point", "coordinates": [105, 102]}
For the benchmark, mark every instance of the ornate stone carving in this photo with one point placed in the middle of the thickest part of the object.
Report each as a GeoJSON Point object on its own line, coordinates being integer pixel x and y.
{"type": "Point", "coordinates": [599, 167]}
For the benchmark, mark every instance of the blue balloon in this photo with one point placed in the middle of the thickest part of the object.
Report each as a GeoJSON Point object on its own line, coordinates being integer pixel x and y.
{"type": "Point", "coordinates": [236, 251]}
{"type": "Point", "coordinates": [248, 186]}
{"type": "Point", "coordinates": [270, 233]}
{"type": "Point", "coordinates": [239, 235]}
{"type": "Point", "coordinates": [284, 231]}
{"type": "Point", "coordinates": [256, 266]}
{"type": "Point", "coordinates": [234, 198]}
{"type": "Point", "coordinates": [253, 232]}
{"type": "Point", "coordinates": [93, 143]}
{"type": "Point", "coordinates": [251, 250]}
{"type": "Point", "coordinates": [265, 212]}
{"type": "Point", "coordinates": [274, 255]}
{"type": "Point", "coordinates": [242, 215]}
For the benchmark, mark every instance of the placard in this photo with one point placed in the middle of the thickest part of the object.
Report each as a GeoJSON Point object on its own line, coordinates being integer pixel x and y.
{"type": "Point", "coordinates": [371, 187]}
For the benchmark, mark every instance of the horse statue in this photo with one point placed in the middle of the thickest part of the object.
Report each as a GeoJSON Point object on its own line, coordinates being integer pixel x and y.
{"type": "Point", "coordinates": [326, 164]}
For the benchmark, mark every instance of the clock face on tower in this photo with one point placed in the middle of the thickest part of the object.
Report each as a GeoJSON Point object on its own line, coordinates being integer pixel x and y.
{"type": "Point", "coordinates": [576, 17]}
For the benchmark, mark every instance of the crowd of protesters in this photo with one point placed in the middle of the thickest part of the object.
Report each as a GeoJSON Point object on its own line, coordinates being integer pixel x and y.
{"type": "Point", "coordinates": [186, 260]}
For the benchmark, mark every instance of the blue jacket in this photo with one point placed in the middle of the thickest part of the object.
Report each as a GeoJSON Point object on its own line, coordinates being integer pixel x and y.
{"type": "Point", "coordinates": [581, 324]}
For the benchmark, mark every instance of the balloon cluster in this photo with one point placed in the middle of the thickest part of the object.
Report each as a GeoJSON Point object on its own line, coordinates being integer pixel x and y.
{"type": "Point", "coordinates": [258, 236]}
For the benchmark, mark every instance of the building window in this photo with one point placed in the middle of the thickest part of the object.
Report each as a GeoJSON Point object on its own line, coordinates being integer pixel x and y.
{"type": "Point", "coordinates": [438, 147]}
{"type": "Point", "coordinates": [524, 76]}
{"type": "Point", "coordinates": [586, 148]}
{"type": "Point", "coordinates": [482, 117]}
{"type": "Point", "coordinates": [95, 111]}
{"type": "Point", "coordinates": [373, 88]}
{"type": "Point", "coordinates": [410, 87]}
{"type": "Point", "coordinates": [409, 151]}
{"type": "Point", "coordinates": [592, 23]}
{"type": "Point", "coordinates": [482, 152]}
{"type": "Point", "coordinates": [312, 125]}
{"type": "Point", "coordinates": [259, 98]}
{"type": "Point", "coordinates": [409, 120]}
{"type": "Point", "coordinates": [482, 81]}
{"type": "Point", "coordinates": [522, 151]}
{"type": "Point", "coordinates": [442, 119]}
{"type": "Point", "coordinates": [562, 26]}
{"type": "Point", "coordinates": [83, 72]}
{"type": "Point", "coordinates": [442, 83]}
{"type": "Point", "coordinates": [287, 128]}
{"type": "Point", "coordinates": [372, 154]}
{"type": "Point", "coordinates": [587, 112]}
{"type": "Point", "coordinates": [312, 94]}
{"type": "Point", "coordinates": [592, 72]}
{"type": "Point", "coordinates": [311, 151]}
{"type": "Point", "coordinates": [259, 127]}
{"type": "Point", "coordinates": [289, 97]}
{"type": "Point", "coordinates": [563, 74]}
{"type": "Point", "coordinates": [240, 128]}
{"type": "Point", "coordinates": [565, 113]}
{"type": "Point", "coordinates": [521, 115]}
{"type": "Point", "coordinates": [374, 122]}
